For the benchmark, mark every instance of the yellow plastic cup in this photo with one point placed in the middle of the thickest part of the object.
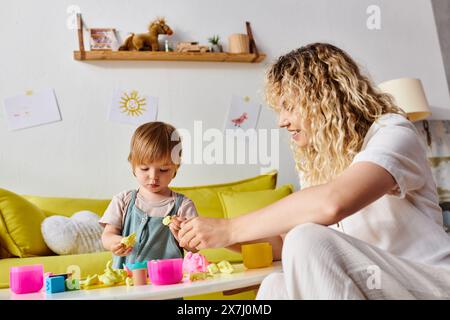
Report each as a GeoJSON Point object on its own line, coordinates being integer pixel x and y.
{"type": "Point", "coordinates": [257, 255]}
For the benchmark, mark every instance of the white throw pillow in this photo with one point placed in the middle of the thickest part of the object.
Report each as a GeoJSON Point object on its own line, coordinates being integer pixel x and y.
{"type": "Point", "coordinates": [78, 234]}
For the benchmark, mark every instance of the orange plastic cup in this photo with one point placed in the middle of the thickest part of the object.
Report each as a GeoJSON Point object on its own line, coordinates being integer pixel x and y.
{"type": "Point", "coordinates": [257, 255]}
{"type": "Point", "coordinates": [139, 277]}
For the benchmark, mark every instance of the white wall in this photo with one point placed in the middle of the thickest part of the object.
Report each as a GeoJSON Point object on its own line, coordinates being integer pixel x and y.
{"type": "Point", "coordinates": [85, 155]}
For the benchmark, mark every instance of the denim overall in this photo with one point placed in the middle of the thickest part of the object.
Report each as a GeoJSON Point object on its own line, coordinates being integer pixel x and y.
{"type": "Point", "coordinates": [153, 239]}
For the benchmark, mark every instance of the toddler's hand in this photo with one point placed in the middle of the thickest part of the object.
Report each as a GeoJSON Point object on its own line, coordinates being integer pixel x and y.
{"type": "Point", "coordinates": [175, 226]}
{"type": "Point", "coordinates": [121, 250]}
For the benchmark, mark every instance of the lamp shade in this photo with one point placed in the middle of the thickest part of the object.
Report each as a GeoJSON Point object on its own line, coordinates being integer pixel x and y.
{"type": "Point", "coordinates": [409, 95]}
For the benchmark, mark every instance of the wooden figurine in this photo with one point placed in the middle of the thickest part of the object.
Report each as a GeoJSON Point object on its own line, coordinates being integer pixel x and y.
{"type": "Point", "coordinates": [191, 47]}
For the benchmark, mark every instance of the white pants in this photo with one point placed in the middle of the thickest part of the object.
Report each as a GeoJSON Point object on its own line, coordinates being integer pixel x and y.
{"type": "Point", "coordinates": [322, 263]}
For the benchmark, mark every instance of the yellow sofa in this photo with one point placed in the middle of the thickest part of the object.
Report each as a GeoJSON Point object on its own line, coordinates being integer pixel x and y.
{"type": "Point", "coordinates": [21, 241]}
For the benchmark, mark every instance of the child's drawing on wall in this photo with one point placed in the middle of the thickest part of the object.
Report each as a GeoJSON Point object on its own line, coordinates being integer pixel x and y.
{"type": "Point", "coordinates": [31, 109]}
{"type": "Point", "coordinates": [133, 107]}
{"type": "Point", "coordinates": [238, 121]}
{"type": "Point", "coordinates": [132, 104]}
{"type": "Point", "coordinates": [243, 113]}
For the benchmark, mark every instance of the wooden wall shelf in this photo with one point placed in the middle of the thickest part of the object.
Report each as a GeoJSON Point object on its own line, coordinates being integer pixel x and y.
{"type": "Point", "coordinates": [253, 57]}
{"type": "Point", "coordinates": [169, 56]}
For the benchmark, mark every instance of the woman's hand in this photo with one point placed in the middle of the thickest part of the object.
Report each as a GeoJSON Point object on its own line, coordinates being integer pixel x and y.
{"type": "Point", "coordinates": [175, 226]}
{"type": "Point", "coordinates": [121, 250]}
{"type": "Point", "coordinates": [201, 233]}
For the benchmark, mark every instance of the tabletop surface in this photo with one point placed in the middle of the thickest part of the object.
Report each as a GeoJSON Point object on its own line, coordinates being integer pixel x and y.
{"type": "Point", "coordinates": [240, 279]}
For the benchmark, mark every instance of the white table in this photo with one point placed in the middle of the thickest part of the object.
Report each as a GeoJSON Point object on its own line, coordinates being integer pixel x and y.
{"type": "Point", "coordinates": [241, 279]}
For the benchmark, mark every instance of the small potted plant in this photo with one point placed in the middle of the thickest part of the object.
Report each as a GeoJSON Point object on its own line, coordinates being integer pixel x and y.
{"type": "Point", "coordinates": [214, 44]}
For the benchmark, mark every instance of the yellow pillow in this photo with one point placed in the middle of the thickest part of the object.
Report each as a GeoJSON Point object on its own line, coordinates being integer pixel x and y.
{"type": "Point", "coordinates": [68, 206]}
{"type": "Point", "coordinates": [208, 204]}
{"type": "Point", "coordinates": [20, 226]}
{"type": "Point", "coordinates": [207, 201]}
{"type": "Point", "coordinates": [237, 203]}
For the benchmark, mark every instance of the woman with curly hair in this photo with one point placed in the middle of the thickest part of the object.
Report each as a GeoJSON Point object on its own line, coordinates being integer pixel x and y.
{"type": "Point", "coordinates": [366, 224]}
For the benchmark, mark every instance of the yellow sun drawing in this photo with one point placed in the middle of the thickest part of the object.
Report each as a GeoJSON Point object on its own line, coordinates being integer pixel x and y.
{"type": "Point", "coordinates": [132, 104]}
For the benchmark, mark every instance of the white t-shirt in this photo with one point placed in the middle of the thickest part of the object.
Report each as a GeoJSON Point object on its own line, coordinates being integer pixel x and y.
{"type": "Point", "coordinates": [408, 221]}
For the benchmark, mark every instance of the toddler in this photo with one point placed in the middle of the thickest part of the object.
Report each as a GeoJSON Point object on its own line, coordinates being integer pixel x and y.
{"type": "Point", "coordinates": [154, 162]}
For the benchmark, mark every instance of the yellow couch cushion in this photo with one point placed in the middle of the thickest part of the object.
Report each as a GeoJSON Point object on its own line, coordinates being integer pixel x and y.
{"type": "Point", "coordinates": [206, 197]}
{"type": "Point", "coordinates": [208, 204]}
{"type": "Point", "coordinates": [68, 206]}
{"type": "Point", "coordinates": [20, 226]}
{"type": "Point", "coordinates": [237, 203]}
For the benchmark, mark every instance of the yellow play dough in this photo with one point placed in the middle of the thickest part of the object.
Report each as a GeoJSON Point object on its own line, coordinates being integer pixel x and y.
{"type": "Point", "coordinates": [109, 277]}
{"type": "Point", "coordinates": [212, 268]}
{"type": "Point", "coordinates": [225, 267]}
{"type": "Point", "coordinates": [90, 281]}
{"type": "Point", "coordinates": [129, 281]}
{"type": "Point", "coordinates": [197, 276]}
{"type": "Point", "coordinates": [167, 220]}
{"type": "Point", "coordinates": [129, 241]}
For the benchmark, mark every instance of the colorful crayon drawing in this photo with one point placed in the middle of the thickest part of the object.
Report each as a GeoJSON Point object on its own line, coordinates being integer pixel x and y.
{"type": "Point", "coordinates": [132, 104]}
{"type": "Point", "coordinates": [238, 121]}
{"type": "Point", "coordinates": [243, 113]}
{"type": "Point", "coordinates": [31, 109]}
{"type": "Point", "coordinates": [133, 107]}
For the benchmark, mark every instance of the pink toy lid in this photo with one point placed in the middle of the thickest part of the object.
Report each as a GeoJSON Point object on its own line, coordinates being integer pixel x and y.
{"type": "Point", "coordinates": [165, 260]}
{"type": "Point", "coordinates": [35, 267]}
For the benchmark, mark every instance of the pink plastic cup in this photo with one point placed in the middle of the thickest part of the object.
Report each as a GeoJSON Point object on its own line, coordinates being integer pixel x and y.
{"type": "Point", "coordinates": [165, 271]}
{"type": "Point", "coordinates": [26, 279]}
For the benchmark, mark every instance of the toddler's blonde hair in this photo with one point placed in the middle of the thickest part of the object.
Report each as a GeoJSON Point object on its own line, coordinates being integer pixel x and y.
{"type": "Point", "coordinates": [325, 87]}
{"type": "Point", "coordinates": [155, 142]}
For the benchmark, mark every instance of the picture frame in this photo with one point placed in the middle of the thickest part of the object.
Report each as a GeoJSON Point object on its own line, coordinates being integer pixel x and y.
{"type": "Point", "coordinates": [103, 39]}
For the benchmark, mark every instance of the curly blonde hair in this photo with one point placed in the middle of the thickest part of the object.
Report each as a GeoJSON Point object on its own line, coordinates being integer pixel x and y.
{"type": "Point", "coordinates": [324, 86]}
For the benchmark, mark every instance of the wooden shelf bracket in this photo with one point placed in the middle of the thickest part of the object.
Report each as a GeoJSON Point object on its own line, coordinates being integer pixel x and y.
{"type": "Point", "coordinates": [80, 37]}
